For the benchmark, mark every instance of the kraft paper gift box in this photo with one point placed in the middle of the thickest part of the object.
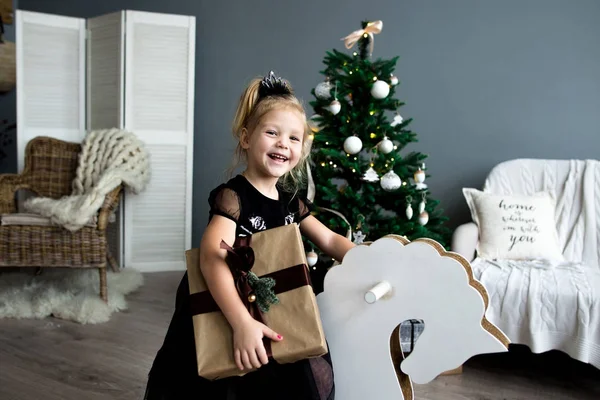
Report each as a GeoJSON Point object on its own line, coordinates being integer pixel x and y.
{"type": "Point", "coordinates": [279, 254]}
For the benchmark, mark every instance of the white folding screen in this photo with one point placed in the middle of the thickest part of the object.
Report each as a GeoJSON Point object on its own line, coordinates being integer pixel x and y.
{"type": "Point", "coordinates": [50, 78]}
{"type": "Point", "coordinates": [105, 95]}
{"type": "Point", "coordinates": [135, 72]}
{"type": "Point", "coordinates": [159, 101]}
{"type": "Point", "coordinates": [105, 71]}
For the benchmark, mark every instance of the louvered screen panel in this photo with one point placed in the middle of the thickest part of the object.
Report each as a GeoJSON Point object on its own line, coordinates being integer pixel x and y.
{"type": "Point", "coordinates": [158, 234]}
{"type": "Point", "coordinates": [105, 71]}
{"type": "Point", "coordinates": [50, 78]}
{"type": "Point", "coordinates": [105, 75]}
{"type": "Point", "coordinates": [159, 84]}
{"type": "Point", "coordinates": [160, 99]}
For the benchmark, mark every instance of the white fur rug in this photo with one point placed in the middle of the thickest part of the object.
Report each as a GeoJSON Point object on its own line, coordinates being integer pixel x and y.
{"type": "Point", "coordinates": [71, 294]}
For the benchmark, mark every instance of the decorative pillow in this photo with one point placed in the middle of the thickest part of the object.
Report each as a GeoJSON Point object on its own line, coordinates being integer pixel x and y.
{"type": "Point", "coordinates": [515, 227]}
{"type": "Point", "coordinates": [34, 220]}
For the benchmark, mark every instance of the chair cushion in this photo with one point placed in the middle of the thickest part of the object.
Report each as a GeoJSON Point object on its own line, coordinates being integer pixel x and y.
{"type": "Point", "coordinates": [30, 219]}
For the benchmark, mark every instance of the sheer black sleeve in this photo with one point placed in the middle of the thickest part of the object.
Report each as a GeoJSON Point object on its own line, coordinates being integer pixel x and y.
{"type": "Point", "coordinates": [305, 207]}
{"type": "Point", "coordinates": [225, 202]}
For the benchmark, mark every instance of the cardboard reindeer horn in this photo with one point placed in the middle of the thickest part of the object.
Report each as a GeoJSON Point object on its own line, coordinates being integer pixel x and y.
{"type": "Point", "coordinates": [381, 284]}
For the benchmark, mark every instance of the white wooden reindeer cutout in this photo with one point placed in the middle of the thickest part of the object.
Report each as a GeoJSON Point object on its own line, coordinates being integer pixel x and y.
{"type": "Point", "coordinates": [383, 283]}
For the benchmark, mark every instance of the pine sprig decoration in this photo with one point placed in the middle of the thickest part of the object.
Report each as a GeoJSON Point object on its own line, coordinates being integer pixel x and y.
{"type": "Point", "coordinates": [263, 290]}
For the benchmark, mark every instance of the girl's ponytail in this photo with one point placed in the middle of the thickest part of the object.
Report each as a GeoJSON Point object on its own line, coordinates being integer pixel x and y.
{"type": "Point", "coordinates": [246, 106]}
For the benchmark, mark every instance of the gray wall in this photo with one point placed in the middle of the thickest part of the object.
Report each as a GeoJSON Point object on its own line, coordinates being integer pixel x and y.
{"type": "Point", "coordinates": [8, 107]}
{"type": "Point", "coordinates": [485, 81]}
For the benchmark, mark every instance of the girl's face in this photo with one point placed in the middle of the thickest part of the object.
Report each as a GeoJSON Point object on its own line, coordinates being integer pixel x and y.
{"type": "Point", "coordinates": [274, 146]}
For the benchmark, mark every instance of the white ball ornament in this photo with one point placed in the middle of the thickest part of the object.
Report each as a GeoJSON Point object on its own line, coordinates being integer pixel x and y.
{"type": "Point", "coordinates": [386, 145]}
{"type": "Point", "coordinates": [312, 258]}
{"type": "Point", "coordinates": [380, 89]}
{"type": "Point", "coordinates": [390, 181]}
{"type": "Point", "coordinates": [393, 80]}
{"type": "Point", "coordinates": [423, 218]}
{"type": "Point", "coordinates": [323, 90]}
{"type": "Point", "coordinates": [353, 145]}
{"type": "Point", "coordinates": [335, 107]}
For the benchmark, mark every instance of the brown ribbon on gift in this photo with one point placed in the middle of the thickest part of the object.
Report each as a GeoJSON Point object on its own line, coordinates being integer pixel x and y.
{"type": "Point", "coordinates": [241, 259]}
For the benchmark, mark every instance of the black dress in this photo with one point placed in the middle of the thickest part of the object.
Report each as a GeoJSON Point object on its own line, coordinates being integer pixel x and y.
{"type": "Point", "coordinates": [174, 373]}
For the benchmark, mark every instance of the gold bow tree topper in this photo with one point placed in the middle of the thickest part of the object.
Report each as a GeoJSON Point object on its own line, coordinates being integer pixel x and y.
{"type": "Point", "coordinates": [368, 32]}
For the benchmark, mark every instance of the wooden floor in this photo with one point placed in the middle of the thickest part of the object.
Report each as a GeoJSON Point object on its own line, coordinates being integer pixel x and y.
{"type": "Point", "coordinates": [53, 359]}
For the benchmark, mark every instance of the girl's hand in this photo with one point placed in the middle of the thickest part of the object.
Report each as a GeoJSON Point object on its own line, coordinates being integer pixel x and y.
{"type": "Point", "coordinates": [248, 348]}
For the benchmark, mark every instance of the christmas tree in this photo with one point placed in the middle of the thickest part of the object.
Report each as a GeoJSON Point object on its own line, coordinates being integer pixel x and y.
{"type": "Point", "coordinates": [359, 165]}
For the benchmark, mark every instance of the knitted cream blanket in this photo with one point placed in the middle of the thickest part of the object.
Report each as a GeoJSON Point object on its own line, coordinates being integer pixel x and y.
{"type": "Point", "coordinates": [108, 159]}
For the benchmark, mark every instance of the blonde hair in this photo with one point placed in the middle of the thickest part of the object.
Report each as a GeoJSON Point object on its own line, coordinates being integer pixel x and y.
{"type": "Point", "coordinates": [251, 108]}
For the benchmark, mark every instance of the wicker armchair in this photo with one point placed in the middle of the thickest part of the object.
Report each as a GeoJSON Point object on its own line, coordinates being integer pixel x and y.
{"type": "Point", "coordinates": [49, 171]}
